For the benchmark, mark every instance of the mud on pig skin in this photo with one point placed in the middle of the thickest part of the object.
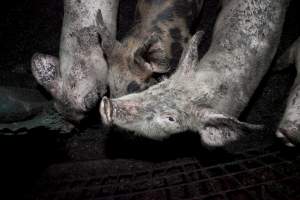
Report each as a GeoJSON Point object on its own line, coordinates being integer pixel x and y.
{"type": "Point", "coordinates": [77, 80]}
{"type": "Point", "coordinates": [154, 45]}
{"type": "Point", "coordinates": [207, 96]}
{"type": "Point", "coordinates": [289, 127]}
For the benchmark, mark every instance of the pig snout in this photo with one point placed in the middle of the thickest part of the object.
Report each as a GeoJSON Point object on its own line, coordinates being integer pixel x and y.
{"type": "Point", "coordinates": [106, 111]}
{"type": "Point", "coordinates": [121, 112]}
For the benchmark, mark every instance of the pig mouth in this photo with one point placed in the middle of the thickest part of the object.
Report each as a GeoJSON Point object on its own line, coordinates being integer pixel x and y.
{"type": "Point", "coordinates": [106, 111]}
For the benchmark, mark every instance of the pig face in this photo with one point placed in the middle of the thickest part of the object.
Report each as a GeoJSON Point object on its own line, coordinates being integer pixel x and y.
{"type": "Point", "coordinates": [170, 107]}
{"type": "Point", "coordinates": [150, 116]}
{"type": "Point", "coordinates": [132, 62]}
{"type": "Point", "coordinates": [73, 99]}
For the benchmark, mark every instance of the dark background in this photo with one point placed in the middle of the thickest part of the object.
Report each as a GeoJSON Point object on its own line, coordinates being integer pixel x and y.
{"type": "Point", "coordinates": [30, 26]}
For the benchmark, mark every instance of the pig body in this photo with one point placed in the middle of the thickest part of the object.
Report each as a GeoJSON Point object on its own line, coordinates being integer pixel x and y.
{"type": "Point", "coordinates": [289, 127]}
{"type": "Point", "coordinates": [154, 45]}
{"type": "Point", "coordinates": [207, 96]}
{"type": "Point", "coordinates": [78, 79]}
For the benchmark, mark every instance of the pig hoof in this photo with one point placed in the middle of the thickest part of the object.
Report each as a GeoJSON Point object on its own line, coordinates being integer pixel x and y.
{"type": "Point", "coordinates": [287, 137]}
{"type": "Point", "coordinates": [106, 111]}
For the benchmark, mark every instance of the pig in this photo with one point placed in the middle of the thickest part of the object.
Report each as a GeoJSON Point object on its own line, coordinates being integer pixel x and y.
{"type": "Point", "coordinates": [154, 45]}
{"type": "Point", "coordinates": [77, 80]}
{"type": "Point", "coordinates": [289, 127]}
{"type": "Point", "coordinates": [207, 96]}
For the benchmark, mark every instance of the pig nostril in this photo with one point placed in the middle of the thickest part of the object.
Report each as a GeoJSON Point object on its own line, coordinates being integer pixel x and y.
{"type": "Point", "coordinates": [107, 93]}
{"type": "Point", "coordinates": [106, 110]}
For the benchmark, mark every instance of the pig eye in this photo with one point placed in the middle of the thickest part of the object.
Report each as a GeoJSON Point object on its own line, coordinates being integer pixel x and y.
{"type": "Point", "coordinates": [171, 119]}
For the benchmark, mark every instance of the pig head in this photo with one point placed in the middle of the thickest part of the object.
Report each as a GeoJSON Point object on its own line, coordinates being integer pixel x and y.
{"type": "Point", "coordinates": [132, 65]}
{"type": "Point", "coordinates": [151, 50]}
{"type": "Point", "coordinates": [168, 108]}
{"type": "Point", "coordinates": [78, 79]}
{"type": "Point", "coordinates": [75, 96]}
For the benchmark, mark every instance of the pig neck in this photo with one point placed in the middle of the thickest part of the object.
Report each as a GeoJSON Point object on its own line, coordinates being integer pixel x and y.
{"type": "Point", "coordinates": [238, 58]}
{"type": "Point", "coordinates": [208, 83]}
{"type": "Point", "coordinates": [217, 82]}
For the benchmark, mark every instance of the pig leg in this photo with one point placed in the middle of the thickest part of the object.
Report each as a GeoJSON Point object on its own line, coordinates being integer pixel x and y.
{"type": "Point", "coordinates": [289, 128]}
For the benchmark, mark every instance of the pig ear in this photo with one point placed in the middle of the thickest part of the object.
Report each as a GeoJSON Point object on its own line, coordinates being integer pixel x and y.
{"type": "Point", "coordinates": [190, 56]}
{"type": "Point", "coordinates": [108, 42]}
{"type": "Point", "coordinates": [220, 129]}
{"type": "Point", "coordinates": [45, 69]}
{"type": "Point", "coordinates": [150, 57]}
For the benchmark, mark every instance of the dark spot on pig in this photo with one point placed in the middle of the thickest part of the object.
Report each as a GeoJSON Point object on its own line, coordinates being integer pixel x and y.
{"type": "Point", "coordinates": [181, 8]}
{"type": "Point", "coordinates": [223, 89]}
{"type": "Point", "coordinates": [149, 118]}
{"type": "Point", "coordinates": [133, 87]}
{"type": "Point", "coordinates": [186, 40]}
{"type": "Point", "coordinates": [176, 50]}
{"type": "Point", "coordinates": [91, 100]}
{"type": "Point", "coordinates": [83, 67]}
{"type": "Point", "coordinates": [173, 64]}
{"type": "Point", "coordinates": [187, 10]}
{"type": "Point", "coordinates": [296, 91]}
{"type": "Point", "coordinates": [175, 33]}
{"type": "Point", "coordinates": [72, 34]}
{"type": "Point", "coordinates": [137, 16]}
{"type": "Point", "coordinates": [87, 37]}
{"type": "Point", "coordinates": [78, 1]}
{"type": "Point", "coordinates": [165, 15]}
{"type": "Point", "coordinates": [156, 29]}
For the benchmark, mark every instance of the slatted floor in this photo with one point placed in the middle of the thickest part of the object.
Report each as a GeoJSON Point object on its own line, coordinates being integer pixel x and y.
{"type": "Point", "coordinates": [267, 173]}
